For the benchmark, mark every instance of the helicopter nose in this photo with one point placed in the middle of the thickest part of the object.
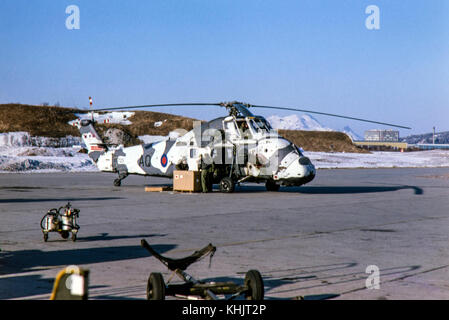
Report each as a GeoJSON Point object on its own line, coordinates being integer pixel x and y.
{"type": "Point", "coordinates": [299, 169]}
{"type": "Point", "coordinates": [309, 168]}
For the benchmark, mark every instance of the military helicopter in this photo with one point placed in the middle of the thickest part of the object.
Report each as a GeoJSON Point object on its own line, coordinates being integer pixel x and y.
{"type": "Point", "coordinates": [242, 147]}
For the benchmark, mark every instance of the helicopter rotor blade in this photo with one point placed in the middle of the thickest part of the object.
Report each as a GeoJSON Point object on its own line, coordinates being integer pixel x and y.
{"type": "Point", "coordinates": [159, 105]}
{"type": "Point", "coordinates": [331, 115]}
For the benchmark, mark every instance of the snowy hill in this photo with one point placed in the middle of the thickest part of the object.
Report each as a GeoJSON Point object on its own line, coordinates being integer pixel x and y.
{"type": "Point", "coordinates": [351, 133]}
{"type": "Point", "coordinates": [306, 122]}
{"type": "Point", "coordinates": [295, 122]}
{"type": "Point", "coordinates": [119, 117]}
{"type": "Point", "coordinates": [440, 137]}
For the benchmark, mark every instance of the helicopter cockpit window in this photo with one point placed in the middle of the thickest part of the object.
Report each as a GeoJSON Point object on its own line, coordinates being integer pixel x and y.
{"type": "Point", "coordinates": [243, 128]}
{"type": "Point", "coordinates": [263, 122]}
{"type": "Point", "coordinates": [258, 125]}
{"type": "Point", "coordinates": [254, 126]}
{"type": "Point", "coordinates": [231, 128]}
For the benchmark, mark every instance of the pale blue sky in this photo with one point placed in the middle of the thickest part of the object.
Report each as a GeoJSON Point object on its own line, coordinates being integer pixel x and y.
{"type": "Point", "coordinates": [306, 54]}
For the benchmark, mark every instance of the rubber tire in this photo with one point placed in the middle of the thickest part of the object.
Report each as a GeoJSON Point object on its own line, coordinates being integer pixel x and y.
{"type": "Point", "coordinates": [45, 237]}
{"type": "Point", "coordinates": [155, 287]}
{"type": "Point", "coordinates": [117, 182]}
{"type": "Point", "coordinates": [65, 234]}
{"type": "Point", "coordinates": [272, 186]}
{"type": "Point", "coordinates": [73, 237]}
{"type": "Point", "coordinates": [254, 282]}
{"type": "Point", "coordinates": [227, 185]}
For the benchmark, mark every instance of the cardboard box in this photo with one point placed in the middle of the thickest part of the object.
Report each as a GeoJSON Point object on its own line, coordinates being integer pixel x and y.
{"type": "Point", "coordinates": [186, 181]}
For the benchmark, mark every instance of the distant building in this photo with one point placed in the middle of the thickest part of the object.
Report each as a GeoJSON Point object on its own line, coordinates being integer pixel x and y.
{"type": "Point", "coordinates": [382, 135]}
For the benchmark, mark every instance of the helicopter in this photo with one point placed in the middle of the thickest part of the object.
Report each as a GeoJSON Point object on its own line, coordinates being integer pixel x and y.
{"type": "Point", "coordinates": [242, 146]}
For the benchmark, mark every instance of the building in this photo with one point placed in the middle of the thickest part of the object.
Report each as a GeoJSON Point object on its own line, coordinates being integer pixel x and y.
{"type": "Point", "coordinates": [382, 135]}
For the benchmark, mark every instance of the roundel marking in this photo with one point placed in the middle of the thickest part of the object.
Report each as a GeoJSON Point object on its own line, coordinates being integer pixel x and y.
{"type": "Point", "coordinates": [164, 160]}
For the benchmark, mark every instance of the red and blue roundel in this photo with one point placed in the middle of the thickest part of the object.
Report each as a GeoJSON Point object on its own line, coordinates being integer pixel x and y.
{"type": "Point", "coordinates": [164, 160]}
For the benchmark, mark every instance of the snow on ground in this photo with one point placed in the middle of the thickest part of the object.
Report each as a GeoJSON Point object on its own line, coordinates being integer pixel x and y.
{"type": "Point", "coordinates": [432, 158]}
{"type": "Point", "coordinates": [20, 153]}
{"type": "Point", "coordinates": [38, 159]}
{"type": "Point", "coordinates": [159, 123]}
{"type": "Point", "coordinates": [22, 139]}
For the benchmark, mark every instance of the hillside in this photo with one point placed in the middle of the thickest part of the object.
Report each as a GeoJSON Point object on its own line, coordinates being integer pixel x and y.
{"type": "Point", "coordinates": [325, 141]}
{"type": "Point", "coordinates": [440, 137]}
{"type": "Point", "coordinates": [53, 122]}
{"type": "Point", "coordinates": [37, 120]}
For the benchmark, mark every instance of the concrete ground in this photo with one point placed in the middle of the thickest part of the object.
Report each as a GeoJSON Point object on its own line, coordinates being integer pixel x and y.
{"type": "Point", "coordinates": [311, 241]}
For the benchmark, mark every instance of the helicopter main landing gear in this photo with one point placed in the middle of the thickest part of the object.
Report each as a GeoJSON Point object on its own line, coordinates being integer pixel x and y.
{"type": "Point", "coordinates": [227, 185]}
{"type": "Point", "coordinates": [272, 186]}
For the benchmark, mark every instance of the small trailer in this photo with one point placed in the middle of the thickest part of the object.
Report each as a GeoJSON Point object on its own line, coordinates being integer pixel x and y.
{"type": "Point", "coordinates": [252, 289]}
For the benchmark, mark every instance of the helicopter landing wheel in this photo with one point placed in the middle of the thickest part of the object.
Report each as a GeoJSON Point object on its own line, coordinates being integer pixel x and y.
{"type": "Point", "coordinates": [227, 185]}
{"type": "Point", "coordinates": [272, 186]}
{"type": "Point", "coordinates": [155, 287]}
{"type": "Point", "coordinates": [254, 282]}
{"type": "Point", "coordinates": [117, 182]}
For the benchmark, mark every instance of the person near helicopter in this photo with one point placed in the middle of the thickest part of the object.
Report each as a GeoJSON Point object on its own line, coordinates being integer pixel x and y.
{"type": "Point", "coordinates": [207, 171]}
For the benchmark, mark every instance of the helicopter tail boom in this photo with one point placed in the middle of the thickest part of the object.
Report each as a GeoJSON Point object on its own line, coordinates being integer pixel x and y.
{"type": "Point", "coordinates": [95, 146]}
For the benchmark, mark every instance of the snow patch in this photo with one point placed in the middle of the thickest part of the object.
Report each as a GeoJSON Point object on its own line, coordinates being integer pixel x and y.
{"type": "Point", "coordinates": [17, 155]}
{"type": "Point", "coordinates": [159, 123]}
{"type": "Point", "coordinates": [20, 152]}
{"type": "Point", "coordinates": [117, 117]}
{"type": "Point", "coordinates": [23, 139]}
{"type": "Point", "coordinates": [351, 133]}
{"type": "Point", "coordinates": [418, 159]}
{"type": "Point", "coordinates": [63, 160]}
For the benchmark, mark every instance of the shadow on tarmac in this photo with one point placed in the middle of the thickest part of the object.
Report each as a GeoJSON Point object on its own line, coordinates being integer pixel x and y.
{"type": "Point", "coordinates": [22, 200]}
{"type": "Point", "coordinates": [332, 189]}
{"type": "Point", "coordinates": [16, 262]}
{"type": "Point", "coordinates": [107, 237]}
{"type": "Point", "coordinates": [314, 277]}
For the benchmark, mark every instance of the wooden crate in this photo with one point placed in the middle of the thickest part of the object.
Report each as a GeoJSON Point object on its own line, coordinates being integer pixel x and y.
{"type": "Point", "coordinates": [158, 188]}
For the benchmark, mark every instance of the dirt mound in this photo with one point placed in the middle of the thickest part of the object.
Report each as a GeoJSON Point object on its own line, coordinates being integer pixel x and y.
{"type": "Point", "coordinates": [37, 120]}
{"type": "Point", "coordinates": [324, 141]}
{"type": "Point", "coordinates": [50, 121]}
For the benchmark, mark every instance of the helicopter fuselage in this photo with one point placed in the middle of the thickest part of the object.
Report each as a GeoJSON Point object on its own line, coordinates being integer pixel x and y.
{"type": "Point", "coordinates": [243, 148]}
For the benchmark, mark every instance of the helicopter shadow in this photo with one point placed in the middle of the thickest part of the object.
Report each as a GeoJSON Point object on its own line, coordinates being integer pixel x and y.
{"type": "Point", "coordinates": [333, 189]}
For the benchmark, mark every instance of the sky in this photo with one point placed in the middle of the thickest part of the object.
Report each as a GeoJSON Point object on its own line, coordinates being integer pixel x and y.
{"type": "Point", "coordinates": [315, 54]}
